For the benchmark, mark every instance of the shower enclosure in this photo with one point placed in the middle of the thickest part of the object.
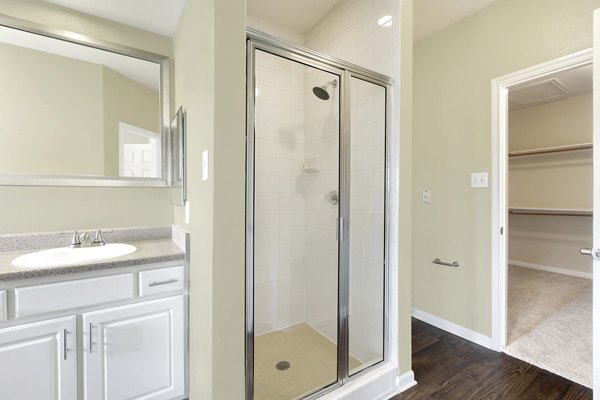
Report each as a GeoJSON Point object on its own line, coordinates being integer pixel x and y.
{"type": "Point", "coordinates": [316, 220]}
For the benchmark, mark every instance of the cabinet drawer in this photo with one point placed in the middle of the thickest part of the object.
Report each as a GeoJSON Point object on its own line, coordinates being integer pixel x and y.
{"type": "Point", "coordinates": [161, 280]}
{"type": "Point", "coordinates": [3, 305]}
{"type": "Point", "coordinates": [32, 300]}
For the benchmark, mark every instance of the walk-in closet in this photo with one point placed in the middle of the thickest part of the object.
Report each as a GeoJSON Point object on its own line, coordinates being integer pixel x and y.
{"type": "Point", "coordinates": [549, 320]}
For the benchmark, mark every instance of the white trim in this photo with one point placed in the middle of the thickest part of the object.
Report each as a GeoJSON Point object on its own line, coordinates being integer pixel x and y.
{"type": "Point", "coordinates": [379, 384]}
{"type": "Point", "coordinates": [499, 156]}
{"type": "Point", "coordinates": [596, 206]}
{"type": "Point", "coordinates": [453, 328]}
{"type": "Point", "coordinates": [405, 381]}
{"type": "Point", "coordinates": [556, 270]}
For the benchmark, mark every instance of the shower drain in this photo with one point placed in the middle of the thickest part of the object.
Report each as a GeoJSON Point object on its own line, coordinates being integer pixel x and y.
{"type": "Point", "coordinates": [282, 365]}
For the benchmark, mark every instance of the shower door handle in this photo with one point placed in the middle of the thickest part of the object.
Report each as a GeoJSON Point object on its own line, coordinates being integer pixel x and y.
{"type": "Point", "coordinates": [340, 229]}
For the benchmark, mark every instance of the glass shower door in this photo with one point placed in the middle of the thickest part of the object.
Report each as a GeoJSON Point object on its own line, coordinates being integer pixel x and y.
{"type": "Point", "coordinates": [367, 230]}
{"type": "Point", "coordinates": [295, 249]}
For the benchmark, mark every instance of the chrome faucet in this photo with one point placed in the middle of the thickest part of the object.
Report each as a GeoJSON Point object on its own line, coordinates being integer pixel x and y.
{"type": "Point", "coordinates": [75, 242]}
{"type": "Point", "coordinates": [84, 240]}
{"type": "Point", "coordinates": [98, 241]}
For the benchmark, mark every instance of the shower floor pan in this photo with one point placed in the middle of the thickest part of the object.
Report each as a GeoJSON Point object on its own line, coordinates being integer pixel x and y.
{"type": "Point", "coordinates": [311, 358]}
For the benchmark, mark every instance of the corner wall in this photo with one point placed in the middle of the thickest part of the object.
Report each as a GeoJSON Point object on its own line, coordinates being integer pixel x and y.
{"type": "Point", "coordinates": [405, 188]}
{"type": "Point", "coordinates": [452, 111]}
{"type": "Point", "coordinates": [209, 48]}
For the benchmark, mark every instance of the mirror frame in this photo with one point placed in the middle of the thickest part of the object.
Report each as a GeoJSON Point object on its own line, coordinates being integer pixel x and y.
{"type": "Point", "coordinates": [166, 179]}
{"type": "Point", "coordinates": [178, 159]}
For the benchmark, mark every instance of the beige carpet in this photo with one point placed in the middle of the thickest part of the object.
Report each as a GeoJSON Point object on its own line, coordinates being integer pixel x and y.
{"type": "Point", "coordinates": [550, 322]}
{"type": "Point", "coordinates": [312, 358]}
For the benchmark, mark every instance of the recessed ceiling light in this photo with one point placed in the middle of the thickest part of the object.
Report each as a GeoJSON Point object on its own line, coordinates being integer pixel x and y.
{"type": "Point", "coordinates": [386, 20]}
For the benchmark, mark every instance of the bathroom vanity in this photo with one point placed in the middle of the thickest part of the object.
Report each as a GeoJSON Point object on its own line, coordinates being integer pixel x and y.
{"type": "Point", "coordinates": [108, 329]}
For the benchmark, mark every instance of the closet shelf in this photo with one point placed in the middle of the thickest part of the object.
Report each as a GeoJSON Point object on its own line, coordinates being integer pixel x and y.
{"type": "Point", "coordinates": [549, 150]}
{"type": "Point", "coordinates": [560, 212]}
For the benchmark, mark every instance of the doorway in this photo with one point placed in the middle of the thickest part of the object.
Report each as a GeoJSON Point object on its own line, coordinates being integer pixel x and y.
{"type": "Point", "coordinates": [139, 152]}
{"type": "Point", "coordinates": [542, 208]}
{"type": "Point", "coordinates": [317, 229]}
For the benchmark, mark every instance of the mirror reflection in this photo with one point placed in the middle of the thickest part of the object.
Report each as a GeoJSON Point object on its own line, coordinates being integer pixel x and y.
{"type": "Point", "coordinates": [69, 109]}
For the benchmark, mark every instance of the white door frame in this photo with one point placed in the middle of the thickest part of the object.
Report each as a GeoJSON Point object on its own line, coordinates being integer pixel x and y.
{"type": "Point", "coordinates": [499, 179]}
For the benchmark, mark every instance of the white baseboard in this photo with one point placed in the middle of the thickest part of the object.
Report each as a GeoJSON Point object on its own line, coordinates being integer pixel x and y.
{"type": "Point", "coordinates": [453, 328]}
{"type": "Point", "coordinates": [546, 268]}
{"type": "Point", "coordinates": [405, 381]}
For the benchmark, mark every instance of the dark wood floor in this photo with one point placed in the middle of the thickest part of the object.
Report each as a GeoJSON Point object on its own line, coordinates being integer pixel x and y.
{"type": "Point", "coordinates": [448, 367]}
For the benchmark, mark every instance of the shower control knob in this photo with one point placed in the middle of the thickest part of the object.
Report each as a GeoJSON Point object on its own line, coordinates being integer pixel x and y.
{"type": "Point", "coordinates": [332, 197]}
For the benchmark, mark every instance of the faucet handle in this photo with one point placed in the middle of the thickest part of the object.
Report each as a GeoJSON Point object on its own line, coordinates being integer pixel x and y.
{"type": "Point", "coordinates": [75, 242]}
{"type": "Point", "coordinates": [98, 241]}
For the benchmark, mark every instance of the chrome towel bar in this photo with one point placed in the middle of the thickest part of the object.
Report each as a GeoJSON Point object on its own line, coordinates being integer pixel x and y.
{"type": "Point", "coordinates": [455, 264]}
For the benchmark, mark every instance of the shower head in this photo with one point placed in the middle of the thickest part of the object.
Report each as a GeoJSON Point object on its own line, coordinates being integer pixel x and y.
{"type": "Point", "coordinates": [321, 91]}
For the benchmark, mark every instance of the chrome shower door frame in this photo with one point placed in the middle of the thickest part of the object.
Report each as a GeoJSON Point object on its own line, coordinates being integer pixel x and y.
{"type": "Point", "coordinates": [345, 71]}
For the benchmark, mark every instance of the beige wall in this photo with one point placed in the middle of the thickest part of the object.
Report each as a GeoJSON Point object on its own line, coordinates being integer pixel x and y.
{"type": "Point", "coordinates": [31, 209]}
{"type": "Point", "coordinates": [551, 181]}
{"type": "Point", "coordinates": [51, 113]}
{"type": "Point", "coordinates": [550, 242]}
{"type": "Point", "coordinates": [558, 123]}
{"type": "Point", "coordinates": [561, 180]}
{"type": "Point", "coordinates": [209, 48]}
{"type": "Point", "coordinates": [129, 102]}
{"type": "Point", "coordinates": [452, 102]}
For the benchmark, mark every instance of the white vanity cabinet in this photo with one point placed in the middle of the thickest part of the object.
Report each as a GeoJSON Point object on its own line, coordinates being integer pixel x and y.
{"type": "Point", "coordinates": [95, 335]}
{"type": "Point", "coordinates": [135, 351]}
{"type": "Point", "coordinates": [39, 361]}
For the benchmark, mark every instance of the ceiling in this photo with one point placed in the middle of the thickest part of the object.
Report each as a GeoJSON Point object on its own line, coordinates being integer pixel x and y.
{"type": "Point", "coordinates": [431, 16]}
{"type": "Point", "coordinates": [157, 16]}
{"type": "Point", "coordinates": [162, 16]}
{"type": "Point", "coordinates": [559, 86]}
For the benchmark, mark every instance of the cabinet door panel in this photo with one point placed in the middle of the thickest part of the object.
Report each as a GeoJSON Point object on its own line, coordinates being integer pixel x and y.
{"type": "Point", "coordinates": [137, 351]}
{"type": "Point", "coordinates": [36, 363]}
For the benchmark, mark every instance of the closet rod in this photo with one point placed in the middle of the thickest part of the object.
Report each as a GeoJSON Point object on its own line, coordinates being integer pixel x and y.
{"type": "Point", "coordinates": [549, 150]}
{"type": "Point", "coordinates": [557, 212]}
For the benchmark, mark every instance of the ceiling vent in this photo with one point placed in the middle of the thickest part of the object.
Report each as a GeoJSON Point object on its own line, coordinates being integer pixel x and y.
{"type": "Point", "coordinates": [538, 92]}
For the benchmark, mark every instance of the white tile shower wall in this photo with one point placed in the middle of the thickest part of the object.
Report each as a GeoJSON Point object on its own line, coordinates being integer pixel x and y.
{"type": "Point", "coordinates": [322, 153]}
{"type": "Point", "coordinates": [350, 31]}
{"type": "Point", "coordinates": [279, 218]}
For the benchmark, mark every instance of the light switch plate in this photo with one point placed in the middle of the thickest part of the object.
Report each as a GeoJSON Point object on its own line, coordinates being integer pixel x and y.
{"type": "Point", "coordinates": [479, 180]}
{"type": "Point", "coordinates": [205, 165]}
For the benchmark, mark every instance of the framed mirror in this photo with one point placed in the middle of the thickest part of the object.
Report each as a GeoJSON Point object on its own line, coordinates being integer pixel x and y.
{"type": "Point", "coordinates": [78, 111]}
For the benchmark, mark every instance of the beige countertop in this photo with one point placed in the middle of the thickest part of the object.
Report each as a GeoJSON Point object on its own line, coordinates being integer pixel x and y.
{"type": "Point", "coordinates": [148, 252]}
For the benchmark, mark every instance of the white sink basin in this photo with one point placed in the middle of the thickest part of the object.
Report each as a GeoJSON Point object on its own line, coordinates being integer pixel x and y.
{"type": "Point", "coordinates": [67, 256]}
